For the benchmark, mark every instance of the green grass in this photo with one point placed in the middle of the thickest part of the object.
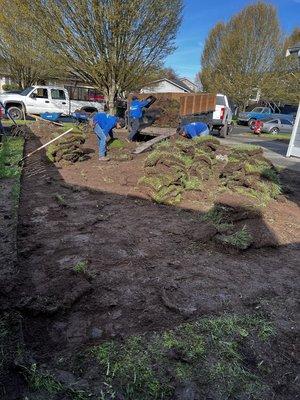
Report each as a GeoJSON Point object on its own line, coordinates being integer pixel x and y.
{"type": "Point", "coordinates": [216, 217]}
{"type": "Point", "coordinates": [60, 200]}
{"type": "Point", "coordinates": [168, 195]}
{"type": "Point", "coordinates": [245, 148]}
{"type": "Point", "coordinates": [165, 144]}
{"type": "Point", "coordinates": [240, 239]}
{"type": "Point", "coordinates": [11, 151]}
{"type": "Point", "coordinates": [116, 144]}
{"type": "Point", "coordinates": [43, 381]}
{"type": "Point", "coordinates": [69, 125]}
{"type": "Point", "coordinates": [203, 139]}
{"type": "Point", "coordinates": [8, 122]}
{"type": "Point", "coordinates": [192, 183]}
{"type": "Point", "coordinates": [38, 380]}
{"type": "Point", "coordinates": [81, 267]}
{"type": "Point", "coordinates": [280, 136]}
{"type": "Point", "coordinates": [208, 351]}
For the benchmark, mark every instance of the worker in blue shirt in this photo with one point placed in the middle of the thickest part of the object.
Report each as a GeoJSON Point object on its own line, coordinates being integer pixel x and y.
{"type": "Point", "coordinates": [193, 130]}
{"type": "Point", "coordinates": [103, 125]}
{"type": "Point", "coordinates": [136, 114]}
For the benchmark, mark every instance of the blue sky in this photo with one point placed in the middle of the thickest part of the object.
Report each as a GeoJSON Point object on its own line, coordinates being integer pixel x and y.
{"type": "Point", "coordinates": [201, 15]}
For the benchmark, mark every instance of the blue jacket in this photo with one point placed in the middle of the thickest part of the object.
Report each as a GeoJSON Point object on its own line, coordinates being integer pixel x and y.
{"type": "Point", "coordinates": [105, 121]}
{"type": "Point", "coordinates": [195, 129]}
{"type": "Point", "coordinates": [136, 108]}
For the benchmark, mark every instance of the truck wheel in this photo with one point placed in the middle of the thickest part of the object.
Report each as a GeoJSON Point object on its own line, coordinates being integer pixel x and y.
{"type": "Point", "coordinates": [224, 130]}
{"type": "Point", "coordinates": [15, 112]}
{"type": "Point", "coordinates": [251, 121]}
{"type": "Point", "coordinates": [229, 129]}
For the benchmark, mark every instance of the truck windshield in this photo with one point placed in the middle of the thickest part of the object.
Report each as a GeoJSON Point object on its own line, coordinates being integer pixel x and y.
{"type": "Point", "coordinates": [221, 100]}
{"type": "Point", "coordinates": [26, 91]}
{"type": "Point", "coordinates": [258, 109]}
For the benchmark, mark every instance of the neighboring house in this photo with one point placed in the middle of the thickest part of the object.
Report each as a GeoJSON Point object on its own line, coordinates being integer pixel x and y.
{"type": "Point", "coordinates": [165, 85]}
{"type": "Point", "coordinates": [192, 85]}
{"type": "Point", "coordinates": [4, 80]}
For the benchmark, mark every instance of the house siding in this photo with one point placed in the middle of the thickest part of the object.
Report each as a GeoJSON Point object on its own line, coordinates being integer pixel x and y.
{"type": "Point", "coordinates": [163, 87]}
{"type": "Point", "coordinates": [4, 80]}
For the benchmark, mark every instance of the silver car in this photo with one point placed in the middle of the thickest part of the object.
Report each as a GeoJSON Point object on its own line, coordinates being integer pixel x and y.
{"type": "Point", "coordinates": [277, 125]}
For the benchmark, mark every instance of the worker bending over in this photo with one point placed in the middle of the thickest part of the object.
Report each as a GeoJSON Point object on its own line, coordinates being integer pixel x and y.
{"type": "Point", "coordinates": [103, 125]}
{"type": "Point", "coordinates": [135, 115]}
{"type": "Point", "coordinates": [193, 130]}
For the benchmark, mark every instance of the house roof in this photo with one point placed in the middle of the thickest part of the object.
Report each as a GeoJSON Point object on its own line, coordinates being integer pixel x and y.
{"type": "Point", "coordinates": [176, 82]}
{"type": "Point", "coordinates": [295, 49]}
{"type": "Point", "coordinates": [187, 79]}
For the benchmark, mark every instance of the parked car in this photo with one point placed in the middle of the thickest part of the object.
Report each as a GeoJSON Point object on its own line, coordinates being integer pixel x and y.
{"type": "Point", "coordinates": [41, 99]}
{"type": "Point", "coordinates": [277, 125]}
{"type": "Point", "coordinates": [222, 116]}
{"type": "Point", "coordinates": [260, 113]}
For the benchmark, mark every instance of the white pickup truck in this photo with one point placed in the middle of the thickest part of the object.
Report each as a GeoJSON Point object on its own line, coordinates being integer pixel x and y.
{"type": "Point", "coordinates": [40, 99]}
{"type": "Point", "coordinates": [222, 116]}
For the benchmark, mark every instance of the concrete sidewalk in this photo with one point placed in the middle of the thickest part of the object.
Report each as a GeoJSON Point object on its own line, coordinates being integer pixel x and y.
{"type": "Point", "coordinates": [275, 150]}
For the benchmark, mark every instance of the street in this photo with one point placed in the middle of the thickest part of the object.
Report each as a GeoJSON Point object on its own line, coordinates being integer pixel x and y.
{"type": "Point", "coordinates": [274, 149]}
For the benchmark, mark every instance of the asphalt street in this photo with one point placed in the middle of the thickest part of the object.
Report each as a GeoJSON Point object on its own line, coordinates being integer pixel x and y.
{"type": "Point", "coordinates": [275, 150]}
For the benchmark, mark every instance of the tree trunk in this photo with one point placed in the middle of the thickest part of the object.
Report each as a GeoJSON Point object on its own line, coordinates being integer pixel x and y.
{"type": "Point", "coordinates": [110, 99]}
{"type": "Point", "coordinates": [111, 103]}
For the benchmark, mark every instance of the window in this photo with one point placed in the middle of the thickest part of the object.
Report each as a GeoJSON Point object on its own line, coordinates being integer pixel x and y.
{"type": "Point", "coordinates": [221, 101]}
{"type": "Point", "coordinates": [41, 93]}
{"type": "Point", "coordinates": [26, 91]}
{"type": "Point", "coordinates": [286, 122]}
{"type": "Point", "coordinates": [84, 94]}
{"type": "Point", "coordinates": [273, 121]}
{"type": "Point", "coordinates": [58, 94]}
{"type": "Point", "coordinates": [257, 109]}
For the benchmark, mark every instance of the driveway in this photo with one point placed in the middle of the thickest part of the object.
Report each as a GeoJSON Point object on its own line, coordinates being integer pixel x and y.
{"type": "Point", "coordinates": [275, 150]}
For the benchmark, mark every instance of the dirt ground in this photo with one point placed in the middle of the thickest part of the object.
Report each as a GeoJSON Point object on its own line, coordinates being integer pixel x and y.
{"type": "Point", "coordinates": [149, 266]}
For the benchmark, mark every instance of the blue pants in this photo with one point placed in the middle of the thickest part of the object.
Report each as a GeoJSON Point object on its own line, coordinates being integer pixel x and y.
{"type": "Point", "coordinates": [102, 138]}
{"type": "Point", "coordinates": [134, 129]}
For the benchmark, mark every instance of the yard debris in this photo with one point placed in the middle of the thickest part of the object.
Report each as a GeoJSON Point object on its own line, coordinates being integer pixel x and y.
{"type": "Point", "coordinates": [20, 130]}
{"type": "Point", "coordinates": [45, 145]}
{"type": "Point", "coordinates": [165, 112]}
{"type": "Point", "coordinates": [174, 168]}
{"type": "Point", "coordinates": [68, 149]}
{"type": "Point", "coordinates": [239, 178]}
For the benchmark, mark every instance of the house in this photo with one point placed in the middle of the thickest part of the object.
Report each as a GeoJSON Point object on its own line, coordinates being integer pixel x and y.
{"type": "Point", "coordinates": [166, 85]}
{"type": "Point", "coordinates": [190, 84]}
{"type": "Point", "coordinates": [5, 79]}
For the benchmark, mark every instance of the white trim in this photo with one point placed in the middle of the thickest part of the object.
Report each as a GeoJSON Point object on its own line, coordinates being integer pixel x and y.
{"type": "Point", "coordinates": [292, 149]}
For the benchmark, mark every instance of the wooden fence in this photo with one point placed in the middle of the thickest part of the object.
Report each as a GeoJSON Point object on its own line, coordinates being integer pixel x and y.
{"type": "Point", "coordinates": [190, 103]}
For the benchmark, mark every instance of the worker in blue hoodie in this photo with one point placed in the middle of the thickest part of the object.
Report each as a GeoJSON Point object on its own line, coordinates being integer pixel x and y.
{"type": "Point", "coordinates": [136, 114]}
{"type": "Point", "coordinates": [103, 125]}
{"type": "Point", "coordinates": [193, 130]}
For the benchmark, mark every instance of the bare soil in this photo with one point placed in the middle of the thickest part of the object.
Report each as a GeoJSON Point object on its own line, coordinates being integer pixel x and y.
{"type": "Point", "coordinates": [149, 266]}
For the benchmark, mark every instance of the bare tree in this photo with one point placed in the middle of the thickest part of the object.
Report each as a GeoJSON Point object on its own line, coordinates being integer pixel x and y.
{"type": "Point", "coordinates": [169, 73]}
{"type": "Point", "coordinates": [23, 54]}
{"type": "Point", "coordinates": [112, 44]}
